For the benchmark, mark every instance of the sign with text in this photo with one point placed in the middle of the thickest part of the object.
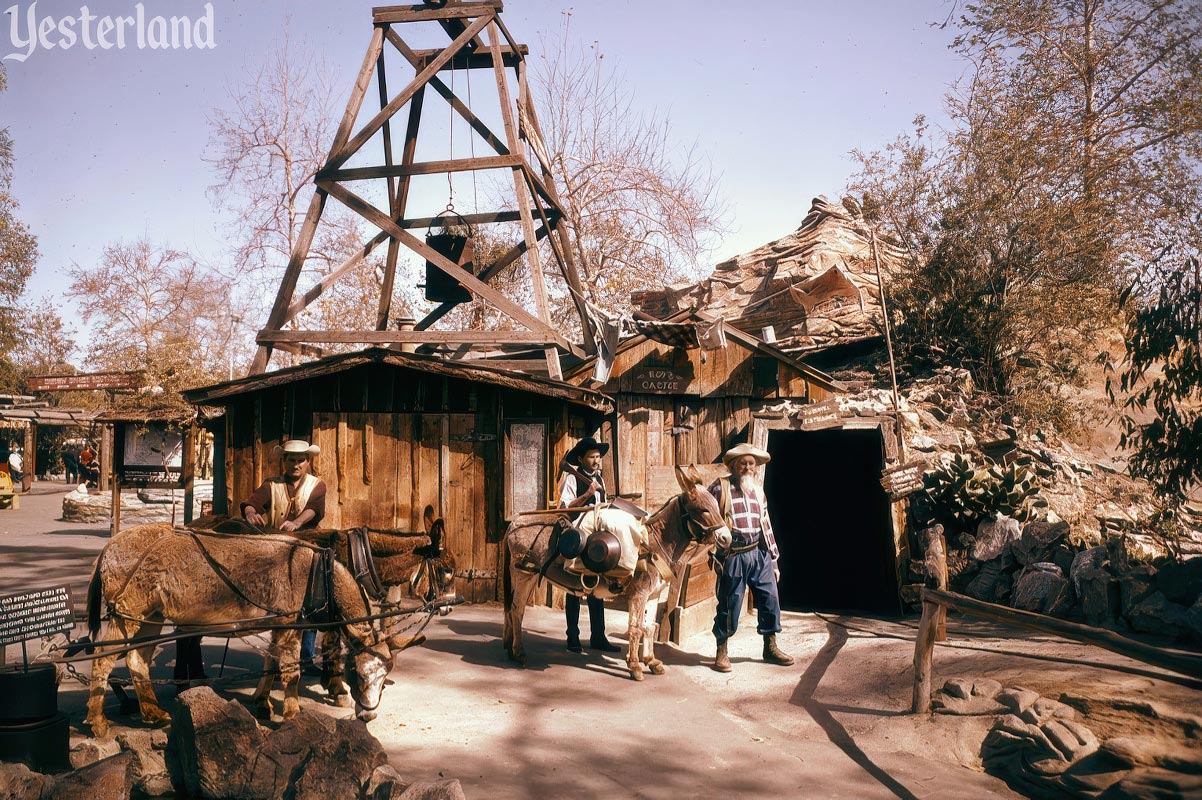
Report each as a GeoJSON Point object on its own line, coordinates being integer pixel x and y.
{"type": "Point", "coordinates": [151, 455]}
{"type": "Point", "coordinates": [94, 380]}
{"type": "Point", "coordinates": [35, 614]}
{"type": "Point", "coordinates": [818, 416]}
{"type": "Point", "coordinates": [904, 480]}
{"type": "Point", "coordinates": [659, 379]}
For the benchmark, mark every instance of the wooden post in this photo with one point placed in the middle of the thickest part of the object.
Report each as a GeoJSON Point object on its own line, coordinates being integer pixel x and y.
{"type": "Point", "coordinates": [189, 469]}
{"type": "Point", "coordinates": [115, 480]}
{"type": "Point", "coordinates": [105, 456]}
{"type": "Point", "coordinates": [932, 627]}
{"type": "Point", "coordinates": [29, 459]}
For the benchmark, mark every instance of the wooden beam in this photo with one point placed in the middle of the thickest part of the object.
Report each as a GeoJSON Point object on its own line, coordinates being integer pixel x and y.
{"type": "Point", "coordinates": [470, 281]}
{"type": "Point", "coordinates": [487, 274]}
{"type": "Point", "coordinates": [567, 261]}
{"type": "Point", "coordinates": [384, 306]}
{"type": "Point", "coordinates": [398, 337]}
{"type": "Point", "coordinates": [308, 350]}
{"type": "Point", "coordinates": [395, 104]}
{"type": "Point", "coordinates": [477, 124]}
{"type": "Point", "coordinates": [472, 60]}
{"type": "Point", "coordinates": [283, 298]}
{"type": "Point", "coordinates": [1177, 661]}
{"type": "Point", "coordinates": [531, 365]}
{"type": "Point", "coordinates": [328, 280]}
{"type": "Point", "coordinates": [420, 168]}
{"type": "Point", "coordinates": [475, 219]}
{"type": "Point", "coordinates": [362, 80]}
{"type": "Point", "coordinates": [426, 13]}
{"type": "Point", "coordinates": [523, 198]}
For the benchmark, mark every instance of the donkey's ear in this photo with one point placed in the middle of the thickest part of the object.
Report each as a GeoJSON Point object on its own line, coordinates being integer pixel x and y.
{"type": "Point", "coordinates": [694, 475]}
{"type": "Point", "coordinates": [428, 518]}
{"type": "Point", "coordinates": [682, 478]}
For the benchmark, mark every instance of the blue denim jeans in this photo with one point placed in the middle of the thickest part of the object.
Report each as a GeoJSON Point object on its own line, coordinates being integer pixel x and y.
{"type": "Point", "coordinates": [752, 570]}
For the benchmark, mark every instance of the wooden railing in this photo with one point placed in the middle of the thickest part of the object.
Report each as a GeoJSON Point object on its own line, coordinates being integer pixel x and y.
{"type": "Point", "coordinates": [937, 600]}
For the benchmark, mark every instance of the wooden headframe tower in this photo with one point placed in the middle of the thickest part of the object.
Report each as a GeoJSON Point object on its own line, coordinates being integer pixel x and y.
{"type": "Point", "coordinates": [479, 40]}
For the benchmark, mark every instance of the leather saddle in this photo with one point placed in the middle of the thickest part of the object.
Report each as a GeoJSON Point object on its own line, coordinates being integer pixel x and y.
{"type": "Point", "coordinates": [361, 563]}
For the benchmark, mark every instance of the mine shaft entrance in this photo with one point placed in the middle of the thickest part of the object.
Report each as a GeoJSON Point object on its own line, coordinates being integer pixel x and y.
{"type": "Point", "coordinates": [831, 519]}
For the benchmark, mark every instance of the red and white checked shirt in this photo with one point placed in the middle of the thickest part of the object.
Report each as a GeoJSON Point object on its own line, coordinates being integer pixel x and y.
{"type": "Point", "coordinates": [749, 517]}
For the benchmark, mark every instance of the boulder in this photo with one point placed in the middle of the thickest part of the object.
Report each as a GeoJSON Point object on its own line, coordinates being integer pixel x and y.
{"type": "Point", "coordinates": [89, 751]}
{"type": "Point", "coordinates": [385, 784]}
{"type": "Point", "coordinates": [1181, 582]}
{"type": "Point", "coordinates": [446, 789]}
{"type": "Point", "coordinates": [1135, 586]}
{"type": "Point", "coordinates": [149, 768]}
{"type": "Point", "coordinates": [994, 537]}
{"type": "Point", "coordinates": [108, 779]}
{"type": "Point", "coordinates": [213, 740]}
{"type": "Point", "coordinates": [1131, 550]}
{"type": "Point", "coordinates": [1100, 597]}
{"type": "Point", "coordinates": [1045, 709]}
{"type": "Point", "coordinates": [1157, 614]}
{"type": "Point", "coordinates": [341, 764]}
{"type": "Point", "coordinates": [1193, 620]}
{"type": "Point", "coordinates": [991, 581]}
{"type": "Point", "coordinates": [19, 782]}
{"type": "Point", "coordinates": [1153, 783]}
{"type": "Point", "coordinates": [1091, 559]}
{"type": "Point", "coordinates": [286, 752]}
{"type": "Point", "coordinates": [1041, 588]}
{"type": "Point", "coordinates": [1149, 751]}
{"type": "Point", "coordinates": [1017, 699]}
{"type": "Point", "coordinates": [1039, 540]}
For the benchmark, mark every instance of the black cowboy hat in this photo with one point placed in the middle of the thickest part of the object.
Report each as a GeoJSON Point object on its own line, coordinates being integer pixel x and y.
{"type": "Point", "coordinates": [583, 446]}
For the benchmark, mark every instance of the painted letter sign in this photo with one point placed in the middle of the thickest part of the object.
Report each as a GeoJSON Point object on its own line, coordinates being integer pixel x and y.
{"type": "Point", "coordinates": [660, 379]}
{"type": "Point", "coordinates": [903, 480]}
{"type": "Point", "coordinates": [35, 614]}
{"type": "Point", "coordinates": [817, 416]}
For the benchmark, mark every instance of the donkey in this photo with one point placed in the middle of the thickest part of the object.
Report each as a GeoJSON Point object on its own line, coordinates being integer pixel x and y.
{"type": "Point", "coordinates": [151, 574]}
{"type": "Point", "coordinates": [412, 567]}
{"type": "Point", "coordinates": [689, 520]}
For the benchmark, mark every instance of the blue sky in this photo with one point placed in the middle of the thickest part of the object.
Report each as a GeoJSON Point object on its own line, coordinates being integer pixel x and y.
{"type": "Point", "coordinates": [109, 142]}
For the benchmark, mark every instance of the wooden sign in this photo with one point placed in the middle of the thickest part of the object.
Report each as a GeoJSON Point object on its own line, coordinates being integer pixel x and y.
{"type": "Point", "coordinates": [94, 380]}
{"type": "Point", "coordinates": [819, 416]}
{"type": "Point", "coordinates": [659, 379]}
{"type": "Point", "coordinates": [904, 480]}
{"type": "Point", "coordinates": [36, 613]}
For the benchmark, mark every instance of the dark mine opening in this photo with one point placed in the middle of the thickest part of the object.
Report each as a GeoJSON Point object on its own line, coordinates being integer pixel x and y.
{"type": "Point", "coordinates": [831, 519]}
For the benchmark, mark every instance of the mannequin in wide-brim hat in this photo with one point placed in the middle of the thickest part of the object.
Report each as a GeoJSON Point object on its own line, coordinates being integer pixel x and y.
{"type": "Point", "coordinates": [291, 501]}
{"type": "Point", "coordinates": [750, 563]}
{"type": "Point", "coordinates": [294, 499]}
{"type": "Point", "coordinates": [575, 493]}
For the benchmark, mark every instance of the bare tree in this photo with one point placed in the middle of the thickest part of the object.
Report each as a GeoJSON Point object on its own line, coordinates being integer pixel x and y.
{"type": "Point", "coordinates": [643, 211]}
{"type": "Point", "coordinates": [265, 147]}
{"type": "Point", "coordinates": [154, 309]}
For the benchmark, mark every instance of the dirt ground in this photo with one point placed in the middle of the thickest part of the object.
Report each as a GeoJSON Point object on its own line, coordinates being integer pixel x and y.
{"type": "Point", "coordinates": [835, 725]}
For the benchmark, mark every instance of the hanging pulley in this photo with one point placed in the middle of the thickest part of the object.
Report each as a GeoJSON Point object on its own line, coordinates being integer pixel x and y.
{"type": "Point", "coordinates": [440, 286]}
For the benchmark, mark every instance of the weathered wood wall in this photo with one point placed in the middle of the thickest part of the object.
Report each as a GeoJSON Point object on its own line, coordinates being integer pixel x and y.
{"type": "Point", "coordinates": [394, 440]}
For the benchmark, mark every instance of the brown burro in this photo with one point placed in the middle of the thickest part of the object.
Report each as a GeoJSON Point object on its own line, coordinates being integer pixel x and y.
{"type": "Point", "coordinates": [152, 574]}
{"type": "Point", "coordinates": [685, 525]}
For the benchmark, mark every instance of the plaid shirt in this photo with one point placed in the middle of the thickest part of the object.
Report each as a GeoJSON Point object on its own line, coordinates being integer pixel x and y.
{"type": "Point", "coordinates": [747, 517]}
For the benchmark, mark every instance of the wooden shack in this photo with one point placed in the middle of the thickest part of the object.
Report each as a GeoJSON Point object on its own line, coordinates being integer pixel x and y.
{"type": "Point", "coordinates": [678, 406]}
{"type": "Point", "coordinates": [399, 431]}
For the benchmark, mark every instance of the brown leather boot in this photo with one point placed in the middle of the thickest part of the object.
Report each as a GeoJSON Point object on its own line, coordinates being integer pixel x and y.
{"type": "Point", "coordinates": [773, 654]}
{"type": "Point", "coordinates": [722, 661]}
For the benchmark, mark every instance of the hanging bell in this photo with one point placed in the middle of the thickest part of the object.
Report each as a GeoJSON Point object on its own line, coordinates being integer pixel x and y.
{"type": "Point", "coordinates": [440, 286]}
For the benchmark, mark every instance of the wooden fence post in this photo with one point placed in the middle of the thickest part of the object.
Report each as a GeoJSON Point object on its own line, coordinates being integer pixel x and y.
{"type": "Point", "coordinates": [932, 627]}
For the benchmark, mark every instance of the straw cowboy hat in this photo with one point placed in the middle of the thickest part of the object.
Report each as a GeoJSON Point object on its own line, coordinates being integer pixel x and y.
{"type": "Point", "coordinates": [297, 446]}
{"type": "Point", "coordinates": [745, 449]}
{"type": "Point", "coordinates": [583, 446]}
